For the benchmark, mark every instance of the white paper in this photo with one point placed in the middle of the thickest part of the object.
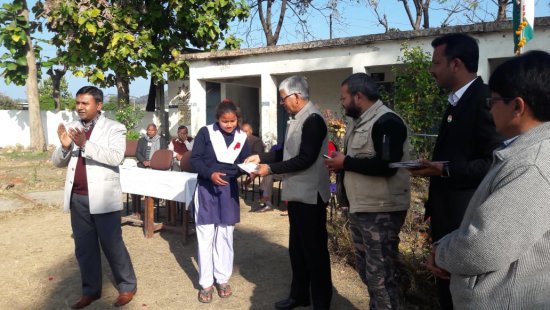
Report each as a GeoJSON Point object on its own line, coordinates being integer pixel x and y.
{"type": "Point", "coordinates": [248, 167]}
{"type": "Point", "coordinates": [411, 164]}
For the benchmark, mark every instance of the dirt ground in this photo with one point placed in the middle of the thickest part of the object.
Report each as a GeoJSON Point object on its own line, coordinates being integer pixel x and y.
{"type": "Point", "coordinates": [38, 269]}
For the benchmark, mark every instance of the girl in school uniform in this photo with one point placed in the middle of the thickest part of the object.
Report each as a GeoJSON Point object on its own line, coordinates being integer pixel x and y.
{"type": "Point", "coordinates": [217, 150]}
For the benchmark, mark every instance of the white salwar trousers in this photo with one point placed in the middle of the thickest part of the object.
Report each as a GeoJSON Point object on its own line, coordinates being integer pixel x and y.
{"type": "Point", "coordinates": [215, 252]}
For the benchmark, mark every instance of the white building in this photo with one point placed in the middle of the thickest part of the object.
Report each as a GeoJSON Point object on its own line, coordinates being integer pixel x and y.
{"type": "Point", "coordinates": [250, 77]}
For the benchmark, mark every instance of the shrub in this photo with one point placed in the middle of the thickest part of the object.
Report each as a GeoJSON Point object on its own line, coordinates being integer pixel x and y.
{"type": "Point", "coordinates": [417, 98]}
{"type": "Point", "coordinates": [130, 116]}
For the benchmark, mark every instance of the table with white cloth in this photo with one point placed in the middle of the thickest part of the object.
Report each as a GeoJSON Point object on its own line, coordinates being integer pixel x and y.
{"type": "Point", "coordinates": [173, 186]}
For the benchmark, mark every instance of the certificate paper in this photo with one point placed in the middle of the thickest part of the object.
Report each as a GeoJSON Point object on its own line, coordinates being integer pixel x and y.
{"type": "Point", "coordinates": [249, 167]}
{"type": "Point", "coordinates": [412, 164]}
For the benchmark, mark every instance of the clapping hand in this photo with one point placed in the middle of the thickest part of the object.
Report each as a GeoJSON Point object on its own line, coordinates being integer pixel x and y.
{"type": "Point", "coordinates": [64, 137]}
{"type": "Point", "coordinates": [78, 136]}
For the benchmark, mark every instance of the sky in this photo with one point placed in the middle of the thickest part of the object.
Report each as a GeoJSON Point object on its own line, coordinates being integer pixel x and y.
{"type": "Point", "coordinates": [356, 18]}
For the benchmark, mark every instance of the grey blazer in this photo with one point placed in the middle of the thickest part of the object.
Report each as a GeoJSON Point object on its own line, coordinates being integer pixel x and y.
{"type": "Point", "coordinates": [499, 257]}
{"type": "Point", "coordinates": [104, 152]}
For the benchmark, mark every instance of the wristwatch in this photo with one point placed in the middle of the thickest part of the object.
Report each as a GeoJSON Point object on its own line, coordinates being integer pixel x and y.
{"type": "Point", "coordinates": [445, 173]}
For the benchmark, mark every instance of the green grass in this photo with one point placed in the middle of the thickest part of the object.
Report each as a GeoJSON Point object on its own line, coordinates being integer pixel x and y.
{"type": "Point", "coordinates": [25, 154]}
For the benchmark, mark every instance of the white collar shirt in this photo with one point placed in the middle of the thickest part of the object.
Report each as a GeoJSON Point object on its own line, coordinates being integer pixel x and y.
{"type": "Point", "coordinates": [454, 97]}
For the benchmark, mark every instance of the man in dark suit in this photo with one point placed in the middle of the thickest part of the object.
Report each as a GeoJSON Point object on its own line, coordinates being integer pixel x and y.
{"type": "Point", "coordinates": [466, 139]}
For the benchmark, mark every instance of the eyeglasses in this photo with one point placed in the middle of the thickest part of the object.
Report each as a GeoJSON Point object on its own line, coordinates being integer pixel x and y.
{"type": "Point", "coordinates": [491, 100]}
{"type": "Point", "coordinates": [285, 97]}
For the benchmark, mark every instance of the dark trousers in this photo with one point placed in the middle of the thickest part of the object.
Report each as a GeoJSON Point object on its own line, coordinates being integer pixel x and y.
{"type": "Point", "coordinates": [309, 256]}
{"type": "Point", "coordinates": [444, 294]}
{"type": "Point", "coordinates": [91, 231]}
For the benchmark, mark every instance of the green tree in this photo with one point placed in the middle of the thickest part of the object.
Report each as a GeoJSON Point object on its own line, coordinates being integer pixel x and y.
{"type": "Point", "coordinates": [130, 116]}
{"type": "Point", "coordinates": [20, 62]}
{"type": "Point", "coordinates": [417, 98]}
{"type": "Point", "coordinates": [7, 103]}
{"type": "Point", "coordinates": [47, 101]}
{"type": "Point", "coordinates": [113, 42]}
{"type": "Point", "coordinates": [111, 104]}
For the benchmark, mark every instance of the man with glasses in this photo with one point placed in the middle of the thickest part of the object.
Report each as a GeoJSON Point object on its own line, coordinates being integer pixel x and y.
{"type": "Point", "coordinates": [498, 257]}
{"type": "Point", "coordinates": [306, 188]}
{"type": "Point", "coordinates": [466, 139]}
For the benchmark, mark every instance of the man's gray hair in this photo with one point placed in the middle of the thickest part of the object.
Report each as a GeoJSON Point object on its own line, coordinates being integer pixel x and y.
{"type": "Point", "coordinates": [295, 84]}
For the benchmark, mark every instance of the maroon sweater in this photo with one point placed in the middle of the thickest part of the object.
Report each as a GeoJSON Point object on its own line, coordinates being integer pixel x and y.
{"type": "Point", "coordinates": [80, 182]}
{"type": "Point", "coordinates": [179, 147]}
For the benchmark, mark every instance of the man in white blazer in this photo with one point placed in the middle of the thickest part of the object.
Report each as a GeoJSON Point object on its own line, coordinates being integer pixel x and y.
{"type": "Point", "coordinates": [92, 149]}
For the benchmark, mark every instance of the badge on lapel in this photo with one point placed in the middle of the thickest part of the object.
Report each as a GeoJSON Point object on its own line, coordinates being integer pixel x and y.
{"type": "Point", "coordinates": [449, 118]}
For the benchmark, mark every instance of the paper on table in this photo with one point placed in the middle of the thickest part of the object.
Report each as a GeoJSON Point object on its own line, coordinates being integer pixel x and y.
{"type": "Point", "coordinates": [411, 164]}
{"type": "Point", "coordinates": [248, 167]}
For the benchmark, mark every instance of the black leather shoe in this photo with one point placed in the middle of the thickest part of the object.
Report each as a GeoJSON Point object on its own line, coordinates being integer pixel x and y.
{"type": "Point", "coordinates": [290, 303]}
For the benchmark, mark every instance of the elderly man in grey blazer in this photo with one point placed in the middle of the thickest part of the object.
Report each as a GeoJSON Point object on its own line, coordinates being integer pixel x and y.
{"type": "Point", "coordinates": [499, 257]}
{"type": "Point", "coordinates": [92, 149]}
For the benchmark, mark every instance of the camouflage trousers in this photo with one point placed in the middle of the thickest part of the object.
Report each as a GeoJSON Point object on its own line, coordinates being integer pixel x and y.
{"type": "Point", "coordinates": [376, 239]}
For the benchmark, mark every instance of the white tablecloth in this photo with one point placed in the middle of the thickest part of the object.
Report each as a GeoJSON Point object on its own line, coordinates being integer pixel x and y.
{"type": "Point", "coordinates": [170, 185]}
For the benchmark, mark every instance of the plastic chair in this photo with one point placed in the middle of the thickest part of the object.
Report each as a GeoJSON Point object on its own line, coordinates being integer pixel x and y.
{"type": "Point", "coordinates": [185, 166]}
{"type": "Point", "coordinates": [185, 162]}
{"type": "Point", "coordinates": [161, 160]}
{"type": "Point", "coordinates": [277, 178]}
{"type": "Point", "coordinates": [130, 152]}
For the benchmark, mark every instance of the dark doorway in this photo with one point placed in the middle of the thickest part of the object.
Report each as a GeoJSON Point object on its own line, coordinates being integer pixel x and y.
{"type": "Point", "coordinates": [213, 98]}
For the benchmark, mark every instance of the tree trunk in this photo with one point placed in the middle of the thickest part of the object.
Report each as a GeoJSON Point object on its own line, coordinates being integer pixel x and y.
{"type": "Point", "coordinates": [501, 14]}
{"type": "Point", "coordinates": [426, 13]}
{"type": "Point", "coordinates": [38, 140]}
{"type": "Point", "coordinates": [408, 11]}
{"type": "Point", "coordinates": [123, 91]}
{"type": "Point", "coordinates": [150, 107]}
{"type": "Point", "coordinates": [56, 76]}
{"type": "Point", "coordinates": [265, 19]}
{"type": "Point", "coordinates": [163, 113]}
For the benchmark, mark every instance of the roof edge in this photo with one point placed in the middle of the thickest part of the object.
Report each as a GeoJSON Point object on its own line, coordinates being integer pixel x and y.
{"type": "Point", "coordinates": [360, 40]}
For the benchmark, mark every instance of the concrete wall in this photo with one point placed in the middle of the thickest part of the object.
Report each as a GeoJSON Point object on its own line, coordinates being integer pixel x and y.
{"type": "Point", "coordinates": [15, 125]}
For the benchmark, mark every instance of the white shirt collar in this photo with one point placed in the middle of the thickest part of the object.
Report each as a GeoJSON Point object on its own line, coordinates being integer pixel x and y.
{"type": "Point", "coordinates": [509, 141]}
{"type": "Point", "coordinates": [454, 97]}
